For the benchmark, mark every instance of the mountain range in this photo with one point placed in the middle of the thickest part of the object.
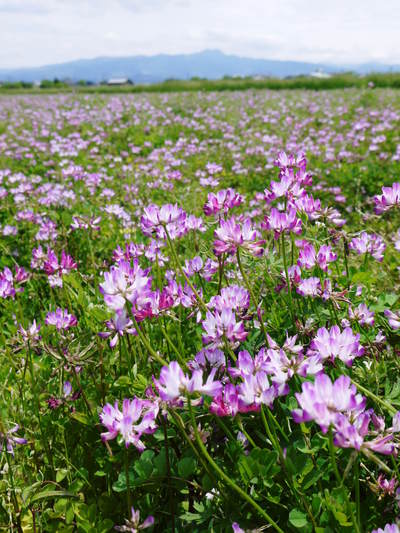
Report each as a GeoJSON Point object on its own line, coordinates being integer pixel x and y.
{"type": "Point", "coordinates": [211, 64]}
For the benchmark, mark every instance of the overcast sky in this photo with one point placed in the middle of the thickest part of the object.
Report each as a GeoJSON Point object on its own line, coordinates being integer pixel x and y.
{"type": "Point", "coordinates": [39, 32]}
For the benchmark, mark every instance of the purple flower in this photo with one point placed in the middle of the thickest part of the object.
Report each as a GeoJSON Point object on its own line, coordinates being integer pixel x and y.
{"type": "Point", "coordinates": [31, 334]}
{"type": "Point", "coordinates": [61, 319]}
{"type": "Point", "coordinates": [389, 198]}
{"type": "Point", "coordinates": [174, 384]}
{"type": "Point", "coordinates": [282, 222]}
{"type": "Point", "coordinates": [389, 528]}
{"type": "Point", "coordinates": [222, 325]}
{"type": "Point", "coordinates": [329, 344]}
{"type": "Point", "coordinates": [197, 266]}
{"type": "Point", "coordinates": [236, 528]}
{"type": "Point", "coordinates": [323, 400]}
{"type": "Point", "coordinates": [393, 318]}
{"type": "Point", "coordinates": [282, 367]}
{"type": "Point", "coordinates": [6, 287]}
{"type": "Point", "coordinates": [38, 257]}
{"type": "Point", "coordinates": [208, 358]}
{"type": "Point", "coordinates": [231, 235]}
{"type": "Point", "coordinates": [307, 256]}
{"type": "Point", "coordinates": [309, 287]}
{"type": "Point", "coordinates": [67, 389]}
{"type": "Point", "coordinates": [81, 222]}
{"type": "Point", "coordinates": [227, 402]}
{"type": "Point", "coordinates": [124, 284]}
{"type": "Point", "coordinates": [387, 486]}
{"type": "Point", "coordinates": [195, 224]}
{"type": "Point", "coordinates": [222, 201]}
{"type": "Point", "coordinates": [368, 243]}
{"type": "Point", "coordinates": [155, 217]}
{"type": "Point", "coordinates": [47, 231]}
{"type": "Point", "coordinates": [362, 315]}
{"type": "Point", "coordinates": [325, 256]}
{"type": "Point", "coordinates": [233, 297]}
{"type": "Point", "coordinates": [8, 281]}
{"type": "Point", "coordinates": [255, 390]}
{"type": "Point", "coordinates": [350, 432]}
{"type": "Point", "coordinates": [136, 418]}
{"type": "Point", "coordinates": [247, 365]}
{"type": "Point", "coordinates": [8, 440]}
{"type": "Point", "coordinates": [133, 525]}
{"type": "Point", "coordinates": [52, 265]}
{"type": "Point", "coordinates": [120, 324]}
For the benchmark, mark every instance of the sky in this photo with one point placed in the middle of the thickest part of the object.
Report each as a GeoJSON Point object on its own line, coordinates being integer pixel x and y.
{"type": "Point", "coordinates": [343, 32]}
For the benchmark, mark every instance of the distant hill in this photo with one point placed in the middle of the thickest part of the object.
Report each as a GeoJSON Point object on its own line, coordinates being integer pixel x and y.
{"type": "Point", "coordinates": [211, 64]}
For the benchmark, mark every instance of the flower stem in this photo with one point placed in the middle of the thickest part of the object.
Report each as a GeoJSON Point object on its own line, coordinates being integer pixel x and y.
{"type": "Point", "coordinates": [128, 486]}
{"type": "Point", "coordinates": [147, 344]}
{"type": "Point", "coordinates": [182, 272]}
{"type": "Point", "coordinates": [374, 397]}
{"type": "Point", "coordinates": [253, 298]}
{"type": "Point", "coordinates": [287, 275]}
{"type": "Point", "coordinates": [340, 481]}
{"type": "Point", "coordinates": [228, 480]}
{"type": "Point", "coordinates": [170, 491]}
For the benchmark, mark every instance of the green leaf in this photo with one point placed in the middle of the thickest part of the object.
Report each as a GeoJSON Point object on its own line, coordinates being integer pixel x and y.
{"type": "Point", "coordinates": [51, 494]}
{"type": "Point", "coordinates": [186, 467]}
{"type": "Point", "coordinates": [297, 518]}
{"type": "Point", "coordinates": [61, 474]}
{"type": "Point", "coordinates": [122, 381]}
{"type": "Point", "coordinates": [80, 417]}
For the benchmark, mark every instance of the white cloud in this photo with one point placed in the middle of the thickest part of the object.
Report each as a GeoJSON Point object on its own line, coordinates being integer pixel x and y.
{"type": "Point", "coordinates": [37, 32]}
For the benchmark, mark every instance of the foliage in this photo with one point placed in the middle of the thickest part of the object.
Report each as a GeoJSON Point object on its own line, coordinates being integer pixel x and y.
{"type": "Point", "coordinates": [194, 322]}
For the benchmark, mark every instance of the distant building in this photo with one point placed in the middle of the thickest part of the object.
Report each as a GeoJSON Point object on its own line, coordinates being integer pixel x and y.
{"type": "Point", "coordinates": [320, 74]}
{"type": "Point", "coordinates": [119, 81]}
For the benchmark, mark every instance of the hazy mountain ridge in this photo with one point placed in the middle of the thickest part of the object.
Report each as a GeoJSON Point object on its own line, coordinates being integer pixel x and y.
{"type": "Point", "coordinates": [211, 64]}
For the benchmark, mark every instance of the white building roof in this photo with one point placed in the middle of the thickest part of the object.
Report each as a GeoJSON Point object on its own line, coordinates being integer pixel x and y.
{"type": "Point", "coordinates": [117, 81]}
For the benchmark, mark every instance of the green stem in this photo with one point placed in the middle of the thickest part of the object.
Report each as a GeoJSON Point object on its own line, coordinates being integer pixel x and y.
{"type": "Point", "coordinates": [147, 344]}
{"type": "Point", "coordinates": [228, 480]}
{"type": "Point", "coordinates": [181, 427]}
{"type": "Point", "coordinates": [36, 402]}
{"type": "Point", "coordinates": [172, 345]}
{"type": "Point", "coordinates": [128, 484]}
{"type": "Point", "coordinates": [275, 441]}
{"type": "Point", "coordinates": [345, 250]}
{"type": "Point", "coordinates": [170, 491]}
{"type": "Point", "coordinates": [179, 267]}
{"type": "Point", "coordinates": [246, 281]}
{"type": "Point", "coordinates": [374, 397]}
{"type": "Point", "coordinates": [14, 497]}
{"type": "Point", "coordinates": [357, 490]}
{"type": "Point", "coordinates": [339, 480]}
{"type": "Point", "coordinates": [287, 275]}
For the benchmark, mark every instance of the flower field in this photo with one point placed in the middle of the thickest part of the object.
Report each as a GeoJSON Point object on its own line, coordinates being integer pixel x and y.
{"type": "Point", "coordinates": [199, 311]}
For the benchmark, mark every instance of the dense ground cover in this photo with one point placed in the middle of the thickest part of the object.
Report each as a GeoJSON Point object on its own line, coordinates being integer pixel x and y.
{"type": "Point", "coordinates": [199, 311]}
{"type": "Point", "coordinates": [336, 81]}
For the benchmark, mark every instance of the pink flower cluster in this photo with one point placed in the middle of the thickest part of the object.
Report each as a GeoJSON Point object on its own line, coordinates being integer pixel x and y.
{"type": "Point", "coordinates": [52, 266]}
{"type": "Point", "coordinates": [222, 201]}
{"type": "Point", "coordinates": [389, 198]}
{"type": "Point", "coordinates": [368, 243]}
{"type": "Point", "coordinates": [333, 343]}
{"type": "Point", "coordinates": [9, 282]}
{"type": "Point", "coordinates": [61, 319]}
{"type": "Point", "coordinates": [338, 406]}
{"type": "Point", "coordinates": [232, 235]}
{"type": "Point", "coordinates": [137, 417]}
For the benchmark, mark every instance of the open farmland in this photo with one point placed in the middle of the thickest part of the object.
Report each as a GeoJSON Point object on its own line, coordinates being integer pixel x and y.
{"type": "Point", "coordinates": [199, 311]}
